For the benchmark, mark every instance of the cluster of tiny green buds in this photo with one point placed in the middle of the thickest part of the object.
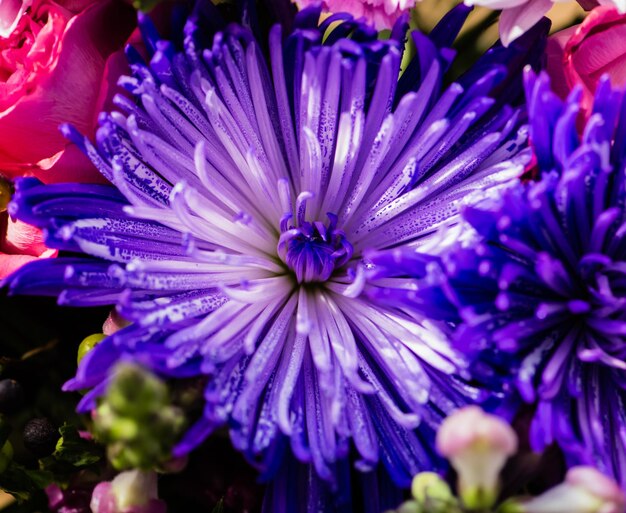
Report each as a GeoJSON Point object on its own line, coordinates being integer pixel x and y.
{"type": "Point", "coordinates": [137, 420]}
{"type": "Point", "coordinates": [431, 494]}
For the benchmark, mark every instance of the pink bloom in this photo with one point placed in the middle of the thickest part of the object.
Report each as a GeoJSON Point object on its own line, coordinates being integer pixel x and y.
{"type": "Point", "coordinates": [54, 68]}
{"type": "Point", "coordinates": [518, 16]}
{"type": "Point", "coordinates": [114, 322]}
{"type": "Point", "coordinates": [381, 13]}
{"type": "Point", "coordinates": [585, 490]}
{"type": "Point", "coordinates": [74, 499]}
{"type": "Point", "coordinates": [20, 244]}
{"type": "Point", "coordinates": [581, 55]}
{"type": "Point", "coordinates": [133, 491]}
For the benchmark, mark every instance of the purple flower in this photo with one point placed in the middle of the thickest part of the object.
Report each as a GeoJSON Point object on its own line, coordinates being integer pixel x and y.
{"type": "Point", "coordinates": [250, 177]}
{"type": "Point", "coordinates": [542, 289]}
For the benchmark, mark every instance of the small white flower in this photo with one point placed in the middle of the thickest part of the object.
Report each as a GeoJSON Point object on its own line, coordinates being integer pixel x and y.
{"type": "Point", "coordinates": [585, 490]}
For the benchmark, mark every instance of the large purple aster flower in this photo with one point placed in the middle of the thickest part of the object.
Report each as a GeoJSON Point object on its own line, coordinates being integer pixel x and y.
{"type": "Point", "coordinates": [250, 176]}
{"type": "Point", "coordinates": [543, 287]}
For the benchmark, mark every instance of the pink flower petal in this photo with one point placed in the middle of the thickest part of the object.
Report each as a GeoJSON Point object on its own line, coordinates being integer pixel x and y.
{"type": "Point", "coordinates": [21, 244]}
{"type": "Point", "coordinates": [518, 20]}
{"type": "Point", "coordinates": [22, 239]}
{"type": "Point", "coordinates": [555, 56]}
{"type": "Point", "coordinates": [600, 53]}
{"type": "Point", "coordinates": [102, 499]}
{"type": "Point", "coordinates": [10, 13]}
{"type": "Point", "coordinates": [11, 263]}
{"type": "Point", "coordinates": [69, 165]}
{"type": "Point", "coordinates": [596, 483]}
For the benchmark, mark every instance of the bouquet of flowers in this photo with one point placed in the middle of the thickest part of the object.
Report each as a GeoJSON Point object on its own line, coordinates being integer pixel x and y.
{"type": "Point", "coordinates": [348, 258]}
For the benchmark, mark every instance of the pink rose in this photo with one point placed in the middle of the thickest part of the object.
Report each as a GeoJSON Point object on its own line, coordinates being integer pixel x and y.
{"type": "Point", "coordinates": [381, 13]}
{"type": "Point", "coordinates": [58, 63]}
{"type": "Point", "coordinates": [582, 54]}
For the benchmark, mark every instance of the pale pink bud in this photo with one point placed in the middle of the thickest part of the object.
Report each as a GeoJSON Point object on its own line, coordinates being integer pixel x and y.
{"type": "Point", "coordinates": [114, 322]}
{"type": "Point", "coordinates": [477, 445]}
{"type": "Point", "coordinates": [585, 490]}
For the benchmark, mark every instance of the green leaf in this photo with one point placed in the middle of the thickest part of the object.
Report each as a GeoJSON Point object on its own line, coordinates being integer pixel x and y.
{"type": "Point", "coordinates": [73, 449]}
{"type": "Point", "coordinates": [22, 483]}
{"type": "Point", "coordinates": [72, 453]}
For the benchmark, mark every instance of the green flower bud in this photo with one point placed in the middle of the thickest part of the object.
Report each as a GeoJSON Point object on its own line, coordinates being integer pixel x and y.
{"type": "Point", "coordinates": [88, 344]}
{"type": "Point", "coordinates": [136, 392]}
{"type": "Point", "coordinates": [136, 419]}
{"type": "Point", "coordinates": [429, 486]}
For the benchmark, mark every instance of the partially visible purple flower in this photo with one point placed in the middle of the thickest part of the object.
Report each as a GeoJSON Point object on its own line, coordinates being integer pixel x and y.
{"type": "Point", "coordinates": [540, 292]}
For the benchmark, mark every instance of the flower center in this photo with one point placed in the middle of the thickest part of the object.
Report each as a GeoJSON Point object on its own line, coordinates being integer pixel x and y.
{"type": "Point", "coordinates": [312, 251]}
